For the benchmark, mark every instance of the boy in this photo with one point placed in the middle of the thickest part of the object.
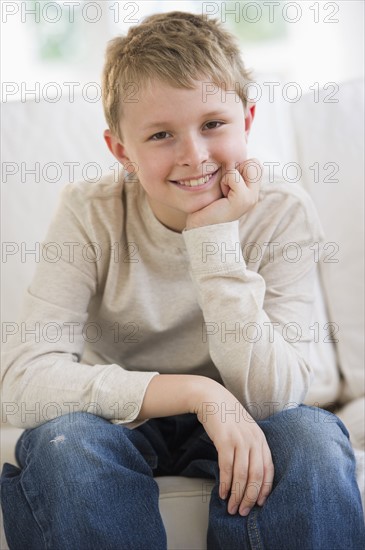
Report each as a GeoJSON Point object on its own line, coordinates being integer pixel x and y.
{"type": "Point", "coordinates": [187, 371]}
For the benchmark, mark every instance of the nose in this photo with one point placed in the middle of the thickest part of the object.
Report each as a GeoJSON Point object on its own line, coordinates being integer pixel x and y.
{"type": "Point", "coordinates": [192, 151]}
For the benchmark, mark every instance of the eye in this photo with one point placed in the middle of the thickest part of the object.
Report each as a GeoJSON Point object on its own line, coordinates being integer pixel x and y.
{"type": "Point", "coordinates": [159, 136]}
{"type": "Point", "coordinates": [214, 124]}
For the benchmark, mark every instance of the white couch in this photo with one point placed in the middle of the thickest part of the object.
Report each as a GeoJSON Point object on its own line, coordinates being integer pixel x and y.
{"type": "Point", "coordinates": [325, 139]}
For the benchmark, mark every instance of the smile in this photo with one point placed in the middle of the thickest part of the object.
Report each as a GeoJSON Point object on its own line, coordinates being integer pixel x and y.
{"type": "Point", "coordinates": [196, 183]}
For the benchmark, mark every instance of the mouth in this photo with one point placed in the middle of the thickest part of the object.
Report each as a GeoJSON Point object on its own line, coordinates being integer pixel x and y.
{"type": "Point", "coordinates": [196, 183]}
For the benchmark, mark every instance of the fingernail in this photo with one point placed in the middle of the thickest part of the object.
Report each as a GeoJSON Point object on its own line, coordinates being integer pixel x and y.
{"type": "Point", "coordinates": [245, 512]}
{"type": "Point", "coordinates": [261, 502]}
{"type": "Point", "coordinates": [233, 510]}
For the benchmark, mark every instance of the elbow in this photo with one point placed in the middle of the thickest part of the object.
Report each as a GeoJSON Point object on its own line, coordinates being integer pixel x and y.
{"type": "Point", "coordinates": [297, 386]}
{"type": "Point", "coordinates": [281, 393]}
{"type": "Point", "coordinates": [21, 414]}
{"type": "Point", "coordinates": [302, 385]}
{"type": "Point", "coordinates": [12, 408]}
{"type": "Point", "coordinates": [20, 405]}
{"type": "Point", "coordinates": [17, 408]}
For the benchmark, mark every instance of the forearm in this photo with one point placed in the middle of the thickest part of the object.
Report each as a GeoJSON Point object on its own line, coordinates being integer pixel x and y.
{"type": "Point", "coordinates": [257, 324]}
{"type": "Point", "coordinates": [171, 394]}
{"type": "Point", "coordinates": [266, 370]}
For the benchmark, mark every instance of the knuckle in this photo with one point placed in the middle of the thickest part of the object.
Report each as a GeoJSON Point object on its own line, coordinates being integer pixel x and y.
{"type": "Point", "coordinates": [241, 476]}
{"type": "Point", "coordinates": [226, 469]}
{"type": "Point", "coordinates": [256, 476]}
{"type": "Point", "coordinates": [237, 488]}
{"type": "Point", "coordinates": [253, 488]}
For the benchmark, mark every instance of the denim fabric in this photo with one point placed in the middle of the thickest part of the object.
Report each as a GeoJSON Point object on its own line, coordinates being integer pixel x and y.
{"type": "Point", "coordinates": [84, 483]}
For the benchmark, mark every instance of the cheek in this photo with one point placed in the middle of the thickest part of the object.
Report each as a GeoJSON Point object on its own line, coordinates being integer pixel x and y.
{"type": "Point", "coordinates": [152, 172]}
{"type": "Point", "coordinates": [154, 165]}
{"type": "Point", "coordinates": [233, 150]}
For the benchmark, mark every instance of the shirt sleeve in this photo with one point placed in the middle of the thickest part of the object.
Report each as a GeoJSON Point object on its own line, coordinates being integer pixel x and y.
{"type": "Point", "coordinates": [257, 323]}
{"type": "Point", "coordinates": [42, 376]}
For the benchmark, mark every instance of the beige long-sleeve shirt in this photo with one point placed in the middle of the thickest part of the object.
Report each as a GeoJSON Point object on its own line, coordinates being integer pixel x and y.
{"type": "Point", "coordinates": [118, 298]}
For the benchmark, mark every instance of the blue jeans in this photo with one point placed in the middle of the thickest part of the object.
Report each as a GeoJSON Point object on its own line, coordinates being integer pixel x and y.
{"type": "Point", "coordinates": [85, 484]}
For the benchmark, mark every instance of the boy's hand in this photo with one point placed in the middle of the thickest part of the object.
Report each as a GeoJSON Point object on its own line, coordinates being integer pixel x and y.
{"type": "Point", "coordinates": [240, 185]}
{"type": "Point", "coordinates": [246, 470]}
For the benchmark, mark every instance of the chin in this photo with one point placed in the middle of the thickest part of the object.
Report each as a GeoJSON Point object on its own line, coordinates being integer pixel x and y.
{"type": "Point", "coordinates": [215, 195]}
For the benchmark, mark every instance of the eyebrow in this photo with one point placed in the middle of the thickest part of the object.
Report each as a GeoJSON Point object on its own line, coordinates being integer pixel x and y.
{"type": "Point", "coordinates": [155, 124]}
{"type": "Point", "coordinates": [158, 123]}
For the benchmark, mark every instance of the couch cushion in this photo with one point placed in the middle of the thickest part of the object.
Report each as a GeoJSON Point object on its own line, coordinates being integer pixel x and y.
{"type": "Point", "coordinates": [184, 507]}
{"type": "Point", "coordinates": [272, 140]}
{"type": "Point", "coordinates": [330, 140]}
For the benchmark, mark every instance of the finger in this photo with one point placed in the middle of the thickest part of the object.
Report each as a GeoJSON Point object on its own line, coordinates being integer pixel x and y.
{"type": "Point", "coordinates": [240, 475]}
{"type": "Point", "coordinates": [269, 472]}
{"type": "Point", "coordinates": [225, 187]}
{"type": "Point", "coordinates": [241, 177]}
{"type": "Point", "coordinates": [254, 482]}
{"type": "Point", "coordinates": [229, 178]}
{"type": "Point", "coordinates": [225, 463]}
{"type": "Point", "coordinates": [251, 171]}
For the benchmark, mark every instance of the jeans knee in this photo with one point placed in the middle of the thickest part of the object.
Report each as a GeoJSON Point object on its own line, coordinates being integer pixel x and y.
{"type": "Point", "coordinates": [64, 429]}
{"type": "Point", "coordinates": [314, 432]}
{"type": "Point", "coordinates": [61, 442]}
{"type": "Point", "coordinates": [73, 422]}
{"type": "Point", "coordinates": [315, 424]}
{"type": "Point", "coordinates": [83, 444]}
{"type": "Point", "coordinates": [81, 486]}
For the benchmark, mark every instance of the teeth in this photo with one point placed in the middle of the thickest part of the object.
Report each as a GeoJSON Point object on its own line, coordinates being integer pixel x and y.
{"type": "Point", "coordinates": [194, 183]}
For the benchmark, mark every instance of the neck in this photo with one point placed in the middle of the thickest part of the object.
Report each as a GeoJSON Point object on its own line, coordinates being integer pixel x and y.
{"type": "Point", "coordinates": [173, 219]}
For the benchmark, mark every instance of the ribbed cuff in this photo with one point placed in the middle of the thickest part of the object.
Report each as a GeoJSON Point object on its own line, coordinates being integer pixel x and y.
{"type": "Point", "coordinates": [120, 393]}
{"type": "Point", "coordinates": [214, 248]}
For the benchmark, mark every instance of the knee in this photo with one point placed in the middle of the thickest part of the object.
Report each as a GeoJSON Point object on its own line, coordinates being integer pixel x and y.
{"type": "Point", "coordinates": [314, 426]}
{"type": "Point", "coordinates": [313, 433]}
{"type": "Point", "coordinates": [65, 429]}
{"type": "Point", "coordinates": [81, 445]}
{"type": "Point", "coordinates": [64, 443]}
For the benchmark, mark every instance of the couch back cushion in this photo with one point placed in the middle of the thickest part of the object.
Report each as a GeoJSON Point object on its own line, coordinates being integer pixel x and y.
{"type": "Point", "coordinates": [330, 143]}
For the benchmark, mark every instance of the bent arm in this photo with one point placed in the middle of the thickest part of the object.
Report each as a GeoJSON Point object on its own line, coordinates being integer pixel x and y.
{"type": "Point", "coordinates": [257, 324]}
{"type": "Point", "coordinates": [42, 372]}
{"type": "Point", "coordinates": [172, 394]}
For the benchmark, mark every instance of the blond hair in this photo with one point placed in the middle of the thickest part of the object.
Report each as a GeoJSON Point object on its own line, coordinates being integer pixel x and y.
{"type": "Point", "coordinates": [177, 48]}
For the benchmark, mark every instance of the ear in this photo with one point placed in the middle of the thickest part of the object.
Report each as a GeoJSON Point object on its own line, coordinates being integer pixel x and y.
{"type": "Point", "coordinates": [250, 115]}
{"type": "Point", "coordinates": [116, 148]}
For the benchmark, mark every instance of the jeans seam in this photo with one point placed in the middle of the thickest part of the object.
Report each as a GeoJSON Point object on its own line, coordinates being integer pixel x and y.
{"type": "Point", "coordinates": [24, 469]}
{"type": "Point", "coordinates": [31, 508]}
{"type": "Point", "coordinates": [253, 531]}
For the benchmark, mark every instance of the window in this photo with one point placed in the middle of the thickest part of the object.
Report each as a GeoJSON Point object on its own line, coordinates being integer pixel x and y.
{"type": "Point", "coordinates": [64, 41]}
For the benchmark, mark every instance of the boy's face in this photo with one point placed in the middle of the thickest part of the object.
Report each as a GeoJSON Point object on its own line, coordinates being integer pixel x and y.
{"type": "Point", "coordinates": [173, 137]}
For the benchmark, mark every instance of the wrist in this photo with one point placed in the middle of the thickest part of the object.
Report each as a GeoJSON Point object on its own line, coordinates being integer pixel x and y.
{"type": "Point", "coordinates": [204, 390]}
{"type": "Point", "coordinates": [190, 224]}
{"type": "Point", "coordinates": [172, 394]}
